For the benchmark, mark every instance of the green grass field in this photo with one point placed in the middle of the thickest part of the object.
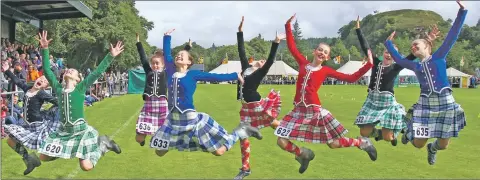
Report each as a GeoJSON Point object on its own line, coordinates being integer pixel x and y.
{"type": "Point", "coordinates": [117, 116]}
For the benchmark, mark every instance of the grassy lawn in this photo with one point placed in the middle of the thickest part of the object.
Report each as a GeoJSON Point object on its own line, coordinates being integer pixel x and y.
{"type": "Point", "coordinates": [117, 117]}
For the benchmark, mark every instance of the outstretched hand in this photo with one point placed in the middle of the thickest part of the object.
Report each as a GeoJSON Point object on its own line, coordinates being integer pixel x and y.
{"type": "Point", "coordinates": [460, 4]}
{"type": "Point", "coordinates": [279, 37]}
{"type": "Point", "coordinates": [291, 18]}
{"type": "Point", "coordinates": [169, 32]}
{"type": "Point", "coordinates": [138, 37]}
{"type": "Point", "coordinates": [115, 51]}
{"type": "Point", "coordinates": [358, 22]}
{"type": "Point", "coordinates": [5, 66]}
{"type": "Point", "coordinates": [370, 56]}
{"type": "Point", "coordinates": [42, 38]}
{"type": "Point", "coordinates": [240, 78]}
{"type": "Point", "coordinates": [434, 34]}
{"type": "Point", "coordinates": [241, 25]}
{"type": "Point", "coordinates": [391, 36]}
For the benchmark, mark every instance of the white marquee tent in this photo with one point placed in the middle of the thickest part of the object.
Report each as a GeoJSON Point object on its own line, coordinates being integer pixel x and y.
{"type": "Point", "coordinates": [353, 66]}
{"type": "Point", "coordinates": [464, 78]}
{"type": "Point", "coordinates": [278, 68]}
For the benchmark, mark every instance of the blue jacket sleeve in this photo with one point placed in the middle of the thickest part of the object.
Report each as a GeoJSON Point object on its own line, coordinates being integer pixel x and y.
{"type": "Point", "coordinates": [167, 53]}
{"type": "Point", "coordinates": [205, 76]}
{"type": "Point", "coordinates": [398, 58]}
{"type": "Point", "coordinates": [452, 35]}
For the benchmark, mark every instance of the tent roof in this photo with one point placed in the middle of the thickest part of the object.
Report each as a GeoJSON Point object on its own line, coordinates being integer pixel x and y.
{"type": "Point", "coordinates": [34, 11]}
{"type": "Point", "coordinates": [353, 66]}
{"type": "Point", "coordinates": [278, 68]}
{"type": "Point", "coordinates": [452, 72]}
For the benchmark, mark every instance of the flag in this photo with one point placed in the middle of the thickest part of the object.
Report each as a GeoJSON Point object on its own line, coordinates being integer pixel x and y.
{"type": "Point", "coordinates": [462, 62]}
{"type": "Point", "coordinates": [225, 60]}
{"type": "Point", "coordinates": [250, 60]}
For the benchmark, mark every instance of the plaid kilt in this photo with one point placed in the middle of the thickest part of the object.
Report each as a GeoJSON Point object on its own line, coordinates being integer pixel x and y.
{"type": "Point", "coordinates": [313, 124]}
{"type": "Point", "coordinates": [31, 135]}
{"type": "Point", "coordinates": [192, 131]}
{"type": "Point", "coordinates": [154, 111]}
{"type": "Point", "coordinates": [79, 140]}
{"type": "Point", "coordinates": [261, 113]}
{"type": "Point", "coordinates": [382, 109]}
{"type": "Point", "coordinates": [443, 116]}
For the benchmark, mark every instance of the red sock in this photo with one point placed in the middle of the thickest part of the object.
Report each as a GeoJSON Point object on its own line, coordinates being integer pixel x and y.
{"type": "Point", "coordinates": [292, 148]}
{"type": "Point", "coordinates": [245, 146]}
{"type": "Point", "coordinates": [349, 142]}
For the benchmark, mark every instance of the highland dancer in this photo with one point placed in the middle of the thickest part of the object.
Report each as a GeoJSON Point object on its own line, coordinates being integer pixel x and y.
{"type": "Point", "coordinates": [309, 121]}
{"type": "Point", "coordinates": [155, 108]}
{"type": "Point", "coordinates": [436, 114]}
{"type": "Point", "coordinates": [255, 111]}
{"type": "Point", "coordinates": [36, 124]}
{"type": "Point", "coordinates": [381, 107]}
{"type": "Point", "coordinates": [75, 138]}
{"type": "Point", "coordinates": [185, 128]}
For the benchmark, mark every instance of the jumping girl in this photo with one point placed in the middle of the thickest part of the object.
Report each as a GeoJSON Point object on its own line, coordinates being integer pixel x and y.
{"type": "Point", "coordinates": [75, 138]}
{"type": "Point", "coordinates": [381, 107]}
{"type": "Point", "coordinates": [309, 121]}
{"type": "Point", "coordinates": [185, 128]}
{"type": "Point", "coordinates": [255, 111]}
{"type": "Point", "coordinates": [436, 114]}
{"type": "Point", "coordinates": [36, 124]}
{"type": "Point", "coordinates": [154, 111]}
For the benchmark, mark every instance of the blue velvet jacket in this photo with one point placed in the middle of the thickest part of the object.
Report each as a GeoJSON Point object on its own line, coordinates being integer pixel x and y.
{"type": "Point", "coordinates": [432, 73]}
{"type": "Point", "coordinates": [182, 86]}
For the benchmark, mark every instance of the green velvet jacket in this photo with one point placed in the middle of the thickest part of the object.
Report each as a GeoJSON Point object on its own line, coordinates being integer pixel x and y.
{"type": "Point", "coordinates": [71, 103]}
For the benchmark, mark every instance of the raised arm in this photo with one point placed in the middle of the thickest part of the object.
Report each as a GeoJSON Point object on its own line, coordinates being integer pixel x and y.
{"type": "Point", "coordinates": [397, 57]}
{"type": "Point", "coordinates": [167, 53]}
{"type": "Point", "coordinates": [453, 34]}
{"type": "Point", "coordinates": [292, 46]}
{"type": "Point", "coordinates": [16, 80]}
{"type": "Point", "coordinates": [102, 67]}
{"type": "Point", "coordinates": [47, 71]}
{"type": "Point", "coordinates": [205, 76]}
{"type": "Point", "coordinates": [188, 47]}
{"type": "Point", "coordinates": [273, 52]}
{"type": "Point", "coordinates": [143, 57]}
{"type": "Point", "coordinates": [241, 47]}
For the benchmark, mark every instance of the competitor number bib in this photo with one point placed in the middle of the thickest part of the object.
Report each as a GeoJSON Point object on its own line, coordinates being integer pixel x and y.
{"type": "Point", "coordinates": [159, 143]}
{"type": "Point", "coordinates": [54, 148]}
{"type": "Point", "coordinates": [421, 131]}
{"type": "Point", "coordinates": [145, 127]}
{"type": "Point", "coordinates": [282, 132]}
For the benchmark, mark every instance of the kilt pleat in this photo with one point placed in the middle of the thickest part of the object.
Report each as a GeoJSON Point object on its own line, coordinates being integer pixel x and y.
{"type": "Point", "coordinates": [443, 116]}
{"type": "Point", "coordinates": [31, 135]}
{"type": "Point", "coordinates": [79, 140]}
{"type": "Point", "coordinates": [383, 110]}
{"type": "Point", "coordinates": [261, 113]}
{"type": "Point", "coordinates": [192, 131]}
{"type": "Point", "coordinates": [313, 124]}
{"type": "Point", "coordinates": [154, 112]}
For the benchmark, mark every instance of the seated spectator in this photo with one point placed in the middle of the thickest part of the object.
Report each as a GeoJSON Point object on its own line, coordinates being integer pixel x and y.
{"type": "Point", "coordinates": [17, 115]}
{"type": "Point", "coordinates": [32, 74]}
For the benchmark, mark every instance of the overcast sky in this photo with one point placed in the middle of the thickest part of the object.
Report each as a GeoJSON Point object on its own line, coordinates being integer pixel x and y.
{"type": "Point", "coordinates": [217, 21]}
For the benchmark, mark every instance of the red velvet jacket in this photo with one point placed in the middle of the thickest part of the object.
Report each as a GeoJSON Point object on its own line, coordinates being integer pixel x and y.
{"type": "Point", "coordinates": [310, 79]}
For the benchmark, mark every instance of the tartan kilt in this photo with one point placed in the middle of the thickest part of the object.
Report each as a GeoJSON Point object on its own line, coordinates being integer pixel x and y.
{"type": "Point", "coordinates": [313, 124]}
{"type": "Point", "coordinates": [443, 116]}
{"type": "Point", "coordinates": [31, 135]}
{"type": "Point", "coordinates": [261, 113]}
{"type": "Point", "coordinates": [383, 110]}
{"type": "Point", "coordinates": [79, 140]}
{"type": "Point", "coordinates": [192, 131]}
{"type": "Point", "coordinates": [154, 111]}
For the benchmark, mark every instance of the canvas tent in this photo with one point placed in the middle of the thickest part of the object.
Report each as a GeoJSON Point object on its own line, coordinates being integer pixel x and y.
{"type": "Point", "coordinates": [458, 78]}
{"type": "Point", "coordinates": [278, 68]}
{"type": "Point", "coordinates": [353, 66]}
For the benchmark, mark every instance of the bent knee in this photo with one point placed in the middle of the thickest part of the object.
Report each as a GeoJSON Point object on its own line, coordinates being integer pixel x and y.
{"type": "Point", "coordinates": [45, 157]}
{"type": "Point", "coordinates": [218, 152]}
{"type": "Point", "coordinates": [11, 142]}
{"type": "Point", "coordinates": [86, 167]}
{"type": "Point", "coordinates": [282, 143]}
{"type": "Point", "coordinates": [160, 153]}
